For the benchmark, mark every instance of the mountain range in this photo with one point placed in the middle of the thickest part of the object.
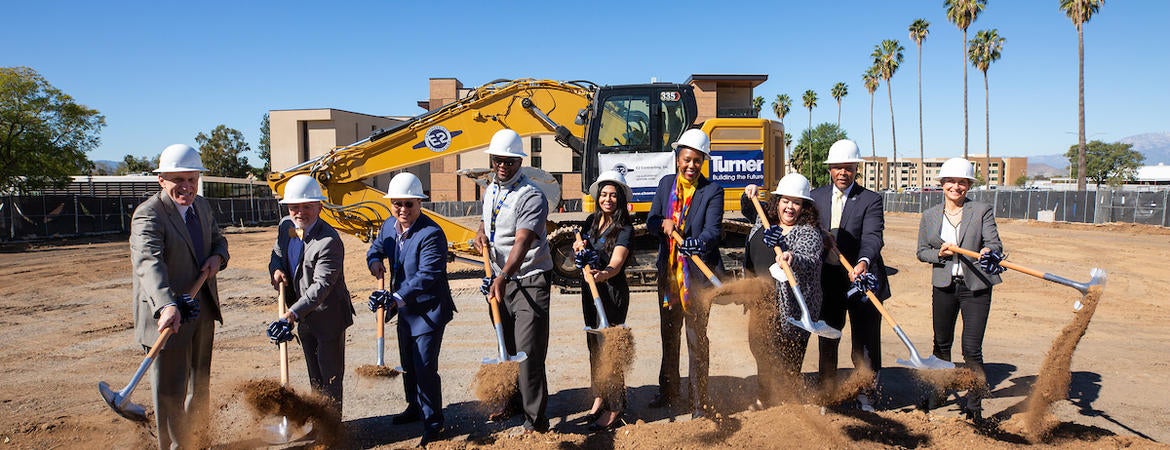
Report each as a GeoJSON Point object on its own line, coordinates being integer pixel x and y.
{"type": "Point", "coordinates": [1154, 146]}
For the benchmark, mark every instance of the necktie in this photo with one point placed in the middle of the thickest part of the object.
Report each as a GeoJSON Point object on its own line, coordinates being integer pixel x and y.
{"type": "Point", "coordinates": [296, 247]}
{"type": "Point", "coordinates": [195, 230]}
{"type": "Point", "coordinates": [838, 207]}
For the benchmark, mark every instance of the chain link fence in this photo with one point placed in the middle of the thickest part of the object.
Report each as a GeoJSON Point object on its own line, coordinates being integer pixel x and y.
{"type": "Point", "coordinates": [1101, 206]}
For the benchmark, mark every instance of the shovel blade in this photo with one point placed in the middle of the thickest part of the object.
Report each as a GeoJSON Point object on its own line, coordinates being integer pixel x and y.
{"type": "Point", "coordinates": [819, 328]}
{"type": "Point", "coordinates": [281, 431]}
{"type": "Point", "coordinates": [518, 357]}
{"type": "Point", "coordinates": [120, 405]}
{"type": "Point", "coordinates": [930, 363]}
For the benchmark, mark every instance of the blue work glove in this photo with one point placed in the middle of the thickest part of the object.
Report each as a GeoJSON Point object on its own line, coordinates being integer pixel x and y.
{"type": "Point", "coordinates": [280, 331]}
{"type": "Point", "coordinates": [587, 256]}
{"type": "Point", "coordinates": [774, 237]}
{"type": "Point", "coordinates": [380, 299]}
{"type": "Point", "coordinates": [864, 282]}
{"type": "Point", "coordinates": [691, 246]}
{"type": "Point", "coordinates": [485, 288]}
{"type": "Point", "coordinates": [989, 262]}
{"type": "Point", "coordinates": [188, 308]}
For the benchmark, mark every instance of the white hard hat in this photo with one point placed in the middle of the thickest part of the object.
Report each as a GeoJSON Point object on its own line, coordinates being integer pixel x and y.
{"type": "Point", "coordinates": [405, 185]}
{"type": "Point", "coordinates": [179, 158]}
{"type": "Point", "coordinates": [957, 168]}
{"type": "Point", "coordinates": [506, 143]}
{"type": "Point", "coordinates": [302, 189]}
{"type": "Point", "coordinates": [694, 138]}
{"type": "Point", "coordinates": [614, 177]}
{"type": "Point", "coordinates": [844, 151]}
{"type": "Point", "coordinates": [794, 185]}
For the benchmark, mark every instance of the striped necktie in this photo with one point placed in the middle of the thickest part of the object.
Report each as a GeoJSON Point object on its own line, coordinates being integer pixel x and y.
{"type": "Point", "coordinates": [195, 230]}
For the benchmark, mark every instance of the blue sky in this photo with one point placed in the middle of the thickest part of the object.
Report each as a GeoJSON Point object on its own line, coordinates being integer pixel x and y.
{"type": "Point", "coordinates": [161, 72]}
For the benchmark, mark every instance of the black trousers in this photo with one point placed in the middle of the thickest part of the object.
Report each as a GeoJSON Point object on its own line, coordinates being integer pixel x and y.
{"type": "Point", "coordinates": [865, 325]}
{"type": "Point", "coordinates": [672, 321]}
{"type": "Point", "coordinates": [975, 306]}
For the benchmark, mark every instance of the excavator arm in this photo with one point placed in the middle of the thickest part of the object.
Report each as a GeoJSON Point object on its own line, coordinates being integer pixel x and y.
{"type": "Point", "coordinates": [527, 106]}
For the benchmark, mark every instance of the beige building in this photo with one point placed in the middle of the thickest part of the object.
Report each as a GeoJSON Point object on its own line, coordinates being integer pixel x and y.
{"type": "Point", "coordinates": [879, 174]}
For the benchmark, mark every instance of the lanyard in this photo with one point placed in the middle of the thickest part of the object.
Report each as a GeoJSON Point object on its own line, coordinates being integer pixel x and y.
{"type": "Point", "coordinates": [496, 211]}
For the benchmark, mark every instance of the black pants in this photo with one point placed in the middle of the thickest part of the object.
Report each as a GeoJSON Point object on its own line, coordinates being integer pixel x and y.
{"type": "Point", "coordinates": [672, 321]}
{"type": "Point", "coordinates": [865, 325]}
{"type": "Point", "coordinates": [975, 306]}
{"type": "Point", "coordinates": [525, 320]}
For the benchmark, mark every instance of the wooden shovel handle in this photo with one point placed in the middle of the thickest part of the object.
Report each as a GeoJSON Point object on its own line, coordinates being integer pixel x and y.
{"type": "Point", "coordinates": [280, 310]}
{"type": "Point", "coordinates": [589, 275]}
{"type": "Point", "coordinates": [695, 258]}
{"type": "Point", "coordinates": [779, 252]}
{"type": "Point", "coordinates": [382, 309]}
{"type": "Point", "coordinates": [487, 272]}
{"type": "Point", "coordinates": [868, 293]}
{"type": "Point", "coordinates": [166, 333]}
{"type": "Point", "coordinates": [1013, 266]}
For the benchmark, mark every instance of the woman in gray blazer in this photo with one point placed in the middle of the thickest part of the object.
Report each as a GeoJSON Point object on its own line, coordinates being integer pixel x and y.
{"type": "Point", "coordinates": [960, 286]}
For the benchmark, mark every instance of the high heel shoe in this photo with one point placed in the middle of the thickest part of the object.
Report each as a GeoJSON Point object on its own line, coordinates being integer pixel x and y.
{"type": "Point", "coordinates": [593, 416]}
{"type": "Point", "coordinates": [617, 422]}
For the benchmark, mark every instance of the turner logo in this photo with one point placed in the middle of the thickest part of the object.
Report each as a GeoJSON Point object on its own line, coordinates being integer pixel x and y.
{"type": "Point", "coordinates": [737, 168]}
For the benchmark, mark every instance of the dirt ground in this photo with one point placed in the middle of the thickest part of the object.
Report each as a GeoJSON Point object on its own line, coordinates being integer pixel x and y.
{"type": "Point", "coordinates": [65, 324]}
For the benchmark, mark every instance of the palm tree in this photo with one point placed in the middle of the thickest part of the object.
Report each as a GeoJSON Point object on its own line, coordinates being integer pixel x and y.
{"type": "Point", "coordinates": [839, 91]}
{"type": "Point", "coordinates": [781, 106]}
{"type": "Point", "coordinates": [918, 31]}
{"type": "Point", "coordinates": [1080, 11]}
{"type": "Point", "coordinates": [985, 49]}
{"type": "Point", "coordinates": [810, 102]}
{"type": "Point", "coordinates": [887, 56]}
{"type": "Point", "coordinates": [871, 79]}
{"type": "Point", "coordinates": [962, 13]}
{"type": "Point", "coordinates": [757, 105]}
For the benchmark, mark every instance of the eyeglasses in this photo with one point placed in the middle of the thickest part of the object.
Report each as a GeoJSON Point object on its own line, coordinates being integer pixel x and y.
{"type": "Point", "coordinates": [507, 162]}
{"type": "Point", "coordinates": [402, 205]}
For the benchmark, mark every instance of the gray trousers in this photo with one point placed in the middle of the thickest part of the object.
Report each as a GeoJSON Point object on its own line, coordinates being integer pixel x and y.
{"type": "Point", "coordinates": [180, 380]}
{"type": "Point", "coordinates": [525, 319]}
{"type": "Point", "coordinates": [325, 358]}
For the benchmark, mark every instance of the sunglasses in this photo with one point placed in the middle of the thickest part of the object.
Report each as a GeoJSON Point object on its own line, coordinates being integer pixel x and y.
{"type": "Point", "coordinates": [506, 162]}
{"type": "Point", "coordinates": [401, 205]}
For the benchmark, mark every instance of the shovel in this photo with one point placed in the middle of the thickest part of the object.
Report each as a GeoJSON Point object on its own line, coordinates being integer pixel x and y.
{"type": "Point", "coordinates": [381, 341]}
{"type": "Point", "coordinates": [819, 328]}
{"type": "Point", "coordinates": [602, 320]}
{"type": "Point", "coordinates": [916, 360]}
{"type": "Point", "coordinates": [1097, 276]}
{"type": "Point", "coordinates": [699, 262]}
{"type": "Point", "coordinates": [120, 401]}
{"type": "Point", "coordinates": [284, 432]}
{"type": "Point", "coordinates": [495, 305]}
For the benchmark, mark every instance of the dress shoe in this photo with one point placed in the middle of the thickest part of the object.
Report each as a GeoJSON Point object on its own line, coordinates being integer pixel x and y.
{"type": "Point", "coordinates": [661, 401]}
{"type": "Point", "coordinates": [758, 405]}
{"type": "Point", "coordinates": [429, 436]}
{"type": "Point", "coordinates": [405, 417]}
{"type": "Point", "coordinates": [864, 403]}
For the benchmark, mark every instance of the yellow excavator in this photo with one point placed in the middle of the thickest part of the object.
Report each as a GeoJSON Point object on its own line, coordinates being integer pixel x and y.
{"type": "Point", "coordinates": [627, 128]}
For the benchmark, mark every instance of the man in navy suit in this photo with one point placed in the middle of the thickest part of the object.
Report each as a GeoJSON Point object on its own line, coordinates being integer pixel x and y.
{"type": "Point", "coordinates": [690, 204]}
{"type": "Point", "coordinates": [854, 217]}
{"type": "Point", "coordinates": [417, 250]}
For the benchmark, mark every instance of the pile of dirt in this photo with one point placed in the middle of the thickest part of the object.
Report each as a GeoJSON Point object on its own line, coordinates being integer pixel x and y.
{"type": "Point", "coordinates": [372, 371]}
{"type": "Point", "coordinates": [748, 292]}
{"type": "Point", "coordinates": [861, 379]}
{"type": "Point", "coordinates": [942, 380]}
{"type": "Point", "coordinates": [495, 384]}
{"type": "Point", "coordinates": [269, 398]}
{"type": "Point", "coordinates": [616, 360]}
{"type": "Point", "coordinates": [1055, 375]}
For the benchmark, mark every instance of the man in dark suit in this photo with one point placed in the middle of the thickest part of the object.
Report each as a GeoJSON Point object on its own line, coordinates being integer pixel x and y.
{"type": "Point", "coordinates": [854, 217]}
{"type": "Point", "coordinates": [690, 204]}
{"type": "Point", "coordinates": [173, 240]}
{"type": "Point", "coordinates": [310, 258]}
{"type": "Point", "coordinates": [417, 250]}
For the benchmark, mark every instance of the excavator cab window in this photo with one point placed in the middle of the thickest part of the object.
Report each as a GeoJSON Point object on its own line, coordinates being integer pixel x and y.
{"type": "Point", "coordinates": [625, 124]}
{"type": "Point", "coordinates": [673, 118]}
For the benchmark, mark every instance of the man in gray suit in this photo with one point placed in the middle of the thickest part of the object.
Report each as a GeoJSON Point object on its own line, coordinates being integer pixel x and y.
{"type": "Point", "coordinates": [173, 240]}
{"type": "Point", "coordinates": [309, 257]}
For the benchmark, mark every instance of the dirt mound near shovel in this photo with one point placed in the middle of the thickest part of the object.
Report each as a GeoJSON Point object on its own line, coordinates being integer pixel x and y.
{"type": "Point", "coordinates": [269, 398]}
{"type": "Point", "coordinates": [617, 357]}
{"type": "Point", "coordinates": [495, 384]}
{"type": "Point", "coordinates": [371, 371]}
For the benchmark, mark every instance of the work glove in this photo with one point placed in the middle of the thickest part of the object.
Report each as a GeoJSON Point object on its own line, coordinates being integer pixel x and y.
{"type": "Point", "coordinates": [280, 331]}
{"type": "Point", "coordinates": [586, 257]}
{"type": "Point", "coordinates": [380, 299]}
{"type": "Point", "coordinates": [989, 262]}
{"type": "Point", "coordinates": [188, 308]}
{"type": "Point", "coordinates": [691, 246]}
{"type": "Point", "coordinates": [864, 282]}
{"type": "Point", "coordinates": [774, 237]}
{"type": "Point", "coordinates": [485, 288]}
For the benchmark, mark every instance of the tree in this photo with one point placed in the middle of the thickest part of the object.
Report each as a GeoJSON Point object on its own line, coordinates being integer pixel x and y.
{"type": "Point", "coordinates": [221, 152]}
{"type": "Point", "coordinates": [919, 29]}
{"type": "Point", "coordinates": [962, 13]}
{"type": "Point", "coordinates": [1080, 11]}
{"type": "Point", "coordinates": [871, 79]}
{"type": "Point", "coordinates": [781, 106]}
{"type": "Point", "coordinates": [887, 57]}
{"type": "Point", "coordinates": [265, 147]}
{"type": "Point", "coordinates": [757, 105]}
{"type": "Point", "coordinates": [44, 133]}
{"type": "Point", "coordinates": [1021, 180]}
{"type": "Point", "coordinates": [132, 165]}
{"type": "Point", "coordinates": [984, 50]}
{"type": "Point", "coordinates": [1113, 163]}
{"type": "Point", "coordinates": [809, 156]}
{"type": "Point", "coordinates": [839, 91]}
{"type": "Point", "coordinates": [810, 102]}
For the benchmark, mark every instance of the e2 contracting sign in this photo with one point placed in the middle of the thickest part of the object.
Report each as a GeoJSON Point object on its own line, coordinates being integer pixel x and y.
{"type": "Point", "coordinates": [737, 168]}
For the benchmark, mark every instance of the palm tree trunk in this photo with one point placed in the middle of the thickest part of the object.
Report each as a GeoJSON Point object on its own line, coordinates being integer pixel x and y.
{"type": "Point", "coordinates": [921, 161]}
{"type": "Point", "coordinates": [987, 119]}
{"type": "Point", "coordinates": [810, 123]}
{"type": "Point", "coordinates": [1080, 108]}
{"type": "Point", "coordinates": [893, 137]}
{"type": "Point", "coordinates": [838, 114]}
{"type": "Point", "coordinates": [877, 175]}
{"type": "Point", "coordinates": [965, 93]}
